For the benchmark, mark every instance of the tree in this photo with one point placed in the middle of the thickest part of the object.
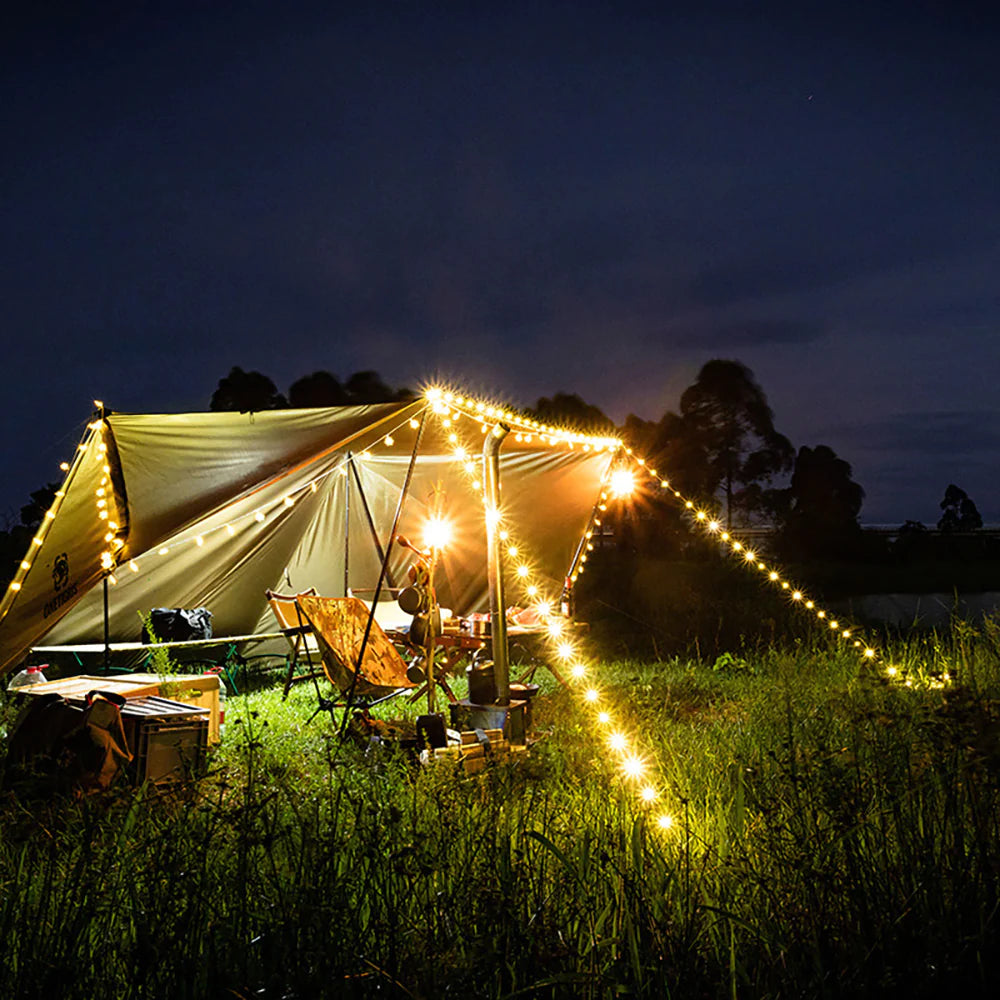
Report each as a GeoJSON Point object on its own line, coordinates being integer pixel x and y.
{"type": "Point", "coordinates": [960, 513]}
{"type": "Point", "coordinates": [248, 392]}
{"type": "Point", "coordinates": [566, 409]}
{"type": "Point", "coordinates": [368, 387]}
{"type": "Point", "coordinates": [726, 420]}
{"type": "Point", "coordinates": [823, 507]}
{"type": "Point", "coordinates": [319, 389]}
{"type": "Point", "coordinates": [15, 541]}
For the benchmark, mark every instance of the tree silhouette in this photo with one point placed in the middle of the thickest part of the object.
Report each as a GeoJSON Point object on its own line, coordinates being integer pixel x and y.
{"type": "Point", "coordinates": [960, 513]}
{"type": "Point", "coordinates": [823, 507]}
{"type": "Point", "coordinates": [368, 387]}
{"type": "Point", "coordinates": [248, 392]}
{"type": "Point", "coordinates": [319, 389]}
{"type": "Point", "coordinates": [15, 541]}
{"type": "Point", "coordinates": [567, 409]}
{"type": "Point", "coordinates": [726, 418]}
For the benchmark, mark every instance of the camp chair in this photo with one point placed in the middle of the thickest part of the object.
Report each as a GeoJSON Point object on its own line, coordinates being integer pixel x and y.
{"type": "Point", "coordinates": [302, 640]}
{"type": "Point", "coordinates": [339, 625]}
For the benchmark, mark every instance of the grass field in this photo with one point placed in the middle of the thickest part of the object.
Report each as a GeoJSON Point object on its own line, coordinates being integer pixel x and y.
{"type": "Point", "coordinates": [836, 834]}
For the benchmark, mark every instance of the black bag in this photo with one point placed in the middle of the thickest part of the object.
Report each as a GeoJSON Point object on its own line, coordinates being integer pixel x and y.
{"type": "Point", "coordinates": [177, 625]}
{"type": "Point", "coordinates": [56, 746]}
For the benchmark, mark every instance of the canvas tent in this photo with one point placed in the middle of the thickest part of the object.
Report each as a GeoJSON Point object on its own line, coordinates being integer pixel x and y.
{"type": "Point", "coordinates": [213, 509]}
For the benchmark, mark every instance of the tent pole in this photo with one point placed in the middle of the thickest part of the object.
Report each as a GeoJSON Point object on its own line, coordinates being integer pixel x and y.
{"type": "Point", "coordinates": [347, 531]}
{"type": "Point", "coordinates": [371, 522]}
{"type": "Point", "coordinates": [494, 561]}
{"type": "Point", "coordinates": [107, 629]}
{"type": "Point", "coordinates": [382, 572]}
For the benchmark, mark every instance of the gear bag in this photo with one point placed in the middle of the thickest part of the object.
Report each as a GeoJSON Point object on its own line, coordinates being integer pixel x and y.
{"type": "Point", "coordinates": [58, 746]}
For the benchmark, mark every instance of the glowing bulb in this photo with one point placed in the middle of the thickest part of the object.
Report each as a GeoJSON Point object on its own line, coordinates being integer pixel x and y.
{"type": "Point", "coordinates": [579, 670]}
{"type": "Point", "coordinates": [437, 533]}
{"type": "Point", "coordinates": [163, 551]}
{"type": "Point", "coordinates": [810, 605]}
{"type": "Point", "coordinates": [64, 466]}
{"type": "Point", "coordinates": [617, 741]}
{"type": "Point", "coordinates": [531, 590]}
{"type": "Point", "coordinates": [523, 571]}
{"type": "Point", "coordinates": [259, 516]}
{"type": "Point", "coordinates": [591, 695]}
{"type": "Point", "coordinates": [820, 614]}
{"type": "Point", "coordinates": [230, 530]}
{"type": "Point", "coordinates": [648, 794]}
{"type": "Point", "coordinates": [565, 650]}
{"type": "Point", "coordinates": [25, 564]}
{"type": "Point", "coordinates": [633, 767]}
{"type": "Point", "coordinates": [869, 652]}
{"type": "Point", "coordinates": [621, 483]}
{"type": "Point", "coordinates": [133, 565]}
{"type": "Point", "coordinates": [713, 525]}
{"type": "Point", "coordinates": [15, 585]}
{"type": "Point", "coordinates": [288, 501]}
{"type": "Point", "coordinates": [797, 595]}
{"type": "Point", "coordinates": [414, 424]}
{"type": "Point", "coordinates": [665, 822]}
{"type": "Point", "coordinates": [199, 541]}
{"type": "Point", "coordinates": [390, 440]}
{"type": "Point", "coordinates": [603, 718]}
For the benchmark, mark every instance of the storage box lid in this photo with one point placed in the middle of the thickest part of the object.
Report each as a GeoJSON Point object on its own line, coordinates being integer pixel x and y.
{"type": "Point", "coordinates": [153, 707]}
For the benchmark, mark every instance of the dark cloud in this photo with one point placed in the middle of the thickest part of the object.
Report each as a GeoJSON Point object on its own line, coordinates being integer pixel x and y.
{"type": "Point", "coordinates": [949, 433]}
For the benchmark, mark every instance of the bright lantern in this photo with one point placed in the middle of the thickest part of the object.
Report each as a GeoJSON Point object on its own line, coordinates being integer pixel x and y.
{"type": "Point", "coordinates": [622, 483]}
{"type": "Point", "coordinates": [437, 533]}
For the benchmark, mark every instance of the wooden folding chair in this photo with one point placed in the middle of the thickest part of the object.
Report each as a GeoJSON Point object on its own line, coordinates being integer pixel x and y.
{"type": "Point", "coordinates": [339, 624]}
{"type": "Point", "coordinates": [300, 637]}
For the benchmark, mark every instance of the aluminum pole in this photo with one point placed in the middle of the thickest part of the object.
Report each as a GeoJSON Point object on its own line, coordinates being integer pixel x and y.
{"type": "Point", "coordinates": [494, 561]}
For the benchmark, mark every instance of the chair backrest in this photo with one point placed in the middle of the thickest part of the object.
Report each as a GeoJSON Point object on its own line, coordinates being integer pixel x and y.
{"type": "Point", "coordinates": [339, 624]}
{"type": "Point", "coordinates": [283, 606]}
{"type": "Point", "coordinates": [287, 615]}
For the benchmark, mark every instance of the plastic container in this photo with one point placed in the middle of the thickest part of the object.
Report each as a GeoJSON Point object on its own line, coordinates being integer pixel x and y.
{"type": "Point", "coordinates": [30, 675]}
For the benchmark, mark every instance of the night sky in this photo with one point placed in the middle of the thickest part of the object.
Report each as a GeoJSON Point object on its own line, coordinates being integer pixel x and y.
{"type": "Point", "coordinates": [593, 199]}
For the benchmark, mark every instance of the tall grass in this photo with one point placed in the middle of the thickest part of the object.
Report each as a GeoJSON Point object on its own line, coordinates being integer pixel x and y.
{"type": "Point", "coordinates": [836, 835]}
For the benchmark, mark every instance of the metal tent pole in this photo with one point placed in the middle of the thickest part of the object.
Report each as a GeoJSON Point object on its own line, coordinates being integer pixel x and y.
{"type": "Point", "coordinates": [382, 573]}
{"type": "Point", "coordinates": [494, 562]}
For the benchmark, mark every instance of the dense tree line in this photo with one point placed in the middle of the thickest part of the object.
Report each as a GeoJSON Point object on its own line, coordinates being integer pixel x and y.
{"type": "Point", "coordinates": [721, 445]}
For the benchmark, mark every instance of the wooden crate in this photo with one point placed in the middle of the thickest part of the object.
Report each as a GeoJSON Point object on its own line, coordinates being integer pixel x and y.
{"type": "Point", "coordinates": [196, 690]}
{"type": "Point", "coordinates": [471, 757]}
